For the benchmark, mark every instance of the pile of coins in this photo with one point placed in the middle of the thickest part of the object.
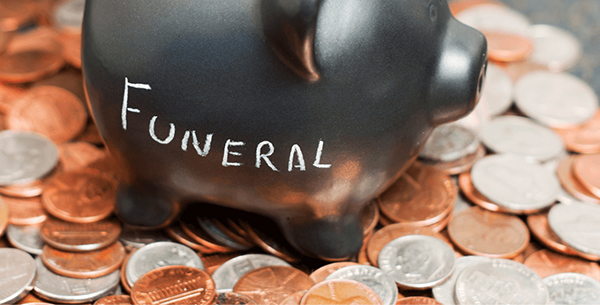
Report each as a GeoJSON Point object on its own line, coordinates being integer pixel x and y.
{"type": "Point", "coordinates": [501, 207]}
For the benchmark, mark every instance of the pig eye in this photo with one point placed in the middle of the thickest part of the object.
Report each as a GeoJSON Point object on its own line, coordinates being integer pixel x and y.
{"type": "Point", "coordinates": [433, 12]}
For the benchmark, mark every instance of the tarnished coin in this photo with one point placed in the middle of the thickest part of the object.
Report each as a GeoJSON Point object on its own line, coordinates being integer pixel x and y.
{"type": "Point", "coordinates": [340, 292]}
{"type": "Point", "coordinates": [232, 298]}
{"type": "Point", "coordinates": [26, 238]}
{"type": "Point", "coordinates": [494, 18]}
{"type": "Point", "coordinates": [62, 289]}
{"type": "Point", "coordinates": [271, 284]}
{"type": "Point", "coordinates": [497, 90]}
{"type": "Point", "coordinates": [133, 238]}
{"type": "Point", "coordinates": [444, 293]}
{"type": "Point", "coordinates": [68, 15]}
{"type": "Point", "coordinates": [586, 170]}
{"type": "Point", "coordinates": [583, 138]}
{"type": "Point", "coordinates": [322, 273]}
{"type": "Point", "coordinates": [573, 288]}
{"type": "Point", "coordinates": [417, 261]}
{"type": "Point", "coordinates": [500, 281]}
{"type": "Point", "coordinates": [521, 136]}
{"type": "Point", "coordinates": [449, 142]}
{"type": "Point", "coordinates": [553, 47]}
{"type": "Point", "coordinates": [24, 211]}
{"type": "Point", "coordinates": [231, 271]}
{"type": "Point", "coordinates": [373, 277]}
{"type": "Point", "coordinates": [84, 265]}
{"type": "Point", "coordinates": [115, 300]}
{"type": "Point", "coordinates": [174, 285]}
{"type": "Point", "coordinates": [17, 273]}
{"type": "Point", "coordinates": [547, 263]}
{"type": "Point", "coordinates": [25, 157]}
{"type": "Point", "coordinates": [577, 224]}
{"type": "Point", "coordinates": [158, 255]}
{"type": "Point", "coordinates": [556, 100]}
{"type": "Point", "coordinates": [512, 182]}
{"type": "Point", "coordinates": [80, 237]}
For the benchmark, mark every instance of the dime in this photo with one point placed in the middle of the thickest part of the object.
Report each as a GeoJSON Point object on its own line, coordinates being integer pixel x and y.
{"type": "Point", "coordinates": [77, 155]}
{"type": "Point", "coordinates": [467, 187]}
{"type": "Point", "coordinates": [444, 293]}
{"type": "Point", "coordinates": [133, 238]}
{"type": "Point", "coordinates": [417, 261]}
{"type": "Point", "coordinates": [494, 18]}
{"type": "Point", "coordinates": [497, 90]}
{"type": "Point", "coordinates": [521, 136]}
{"type": "Point", "coordinates": [115, 300]}
{"type": "Point", "coordinates": [25, 157]}
{"type": "Point", "coordinates": [418, 301]}
{"type": "Point", "coordinates": [17, 275]}
{"type": "Point", "coordinates": [554, 47]}
{"type": "Point", "coordinates": [577, 225]}
{"type": "Point", "coordinates": [227, 275]}
{"type": "Point", "coordinates": [340, 292]}
{"type": "Point", "coordinates": [449, 142]}
{"type": "Point", "coordinates": [232, 298]}
{"type": "Point", "coordinates": [573, 288]}
{"type": "Point", "coordinates": [76, 237]}
{"type": "Point", "coordinates": [174, 285]}
{"type": "Point", "coordinates": [583, 138]}
{"type": "Point", "coordinates": [547, 263]}
{"type": "Point", "coordinates": [322, 273]}
{"type": "Point", "coordinates": [501, 281]}
{"type": "Point", "coordinates": [24, 211]}
{"type": "Point", "coordinates": [84, 265]}
{"type": "Point", "coordinates": [512, 182]}
{"type": "Point", "coordinates": [505, 47]}
{"type": "Point", "coordinates": [272, 284]}
{"type": "Point", "coordinates": [585, 169]}
{"type": "Point", "coordinates": [572, 185]}
{"type": "Point", "coordinates": [556, 100]}
{"type": "Point", "coordinates": [374, 278]}
{"type": "Point", "coordinates": [158, 255]}
{"type": "Point", "coordinates": [26, 238]}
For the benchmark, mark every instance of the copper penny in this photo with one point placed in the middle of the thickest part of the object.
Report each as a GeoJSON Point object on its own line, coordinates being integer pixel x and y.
{"type": "Point", "coordinates": [572, 185]}
{"type": "Point", "coordinates": [81, 196]}
{"type": "Point", "coordinates": [51, 111]}
{"type": "Point", "coordinates": [461, 5]}
{"type": "Point", "coordinates": [507, 46]}
{"type": "Point", "coordinates": [232, 298]}
{"type": "Point", "coordinates": [340, 292]}
{"type": "Point", "coordinates": [269, 244]}
{"type": "Point", "coordinates": [370, 217]}
{"type": "Point", "coordinates": [194, 231]}
{"type": "Point", "coordinates": [3, 216]}
{"type": "Point", "coordinates": [14, 14]}
{"type": "Point", "coordinates": [584, 138]}
{"type": "Point", "coordinates": [320, 274]}
{"type": "Point", "coordinates": [461, 165]}
{"type": "Point", "coordinates": [71, 43]}
{"type": "Point", "coordinates": [174, 285]}
{"type": "Point", "coordinates": [31, 299]}
{"type": "Point", "coordinates": [115, 300]}
{"type": "Point", "coordinates": [80, 237]}
{"type": "Point", "coordinates": [108, 165]}
{"type": "Point", "coordinates": [585, 169]}
{"type": "Point", "coordinates": [423, 195]}
{"type": "Point", "coordinates": [294, 299]}
{"type": "Point", "coordinates": [417, 301]}
{"type": "Point", "coordinates": [29, 65]}
{"type": "Point", "coordinates": [29, 190]}
{"type": "Point", "coordinates": [435, 227]}
{"type": "Point", "coordinates": [480, 232]}
{"type": "Point", "coordinates": [84, 264]}
{"type": "Point", "coordinates": [213, 261]}
{"type": "Point", "coordinates": [546, 263]}
{"type": "Point", "coordinates": [272, 284]}
{"type": "Point", "coordinates": [8, 96]}
{"type": "Point", "coordinates": [25, 211]}
{"type": "Point", "coordinates": [77, 155]}
{"type": "Point", "coordinates": [123, 273]}
{"type": "Point", "coordinates": [177, 234]}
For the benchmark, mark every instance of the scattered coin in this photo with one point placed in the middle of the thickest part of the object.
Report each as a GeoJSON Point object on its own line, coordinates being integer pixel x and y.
{"type": "Point", "coordinates": [572, 185]}
{"type": "Point", "coordinates": [177, 234]}
{"type": "Point", "coordinates": [123, 272]}
{"type": "Point", "coordinates": [29, 65]}
{"type": "Point", "coordinates": [77, 155]}
{"type": "Point", "coordinates": [370, 217]}
{"type": "Point", "coordinates": [497, 92]}
{"type": "Point", "coordinates": [554, 47]}
{"type": "Point", "coordinates": [272, 284]}
{"type": "Point", "coordinates": [174, 285]}
{"type": "Point", "coordinates": [505, 47]}
{"type": "Point", "coordinates": [577, 225]}
{"type": "Point", "coordinates": [458, 6]}
{"type": "Point", "coordinates": [444, 293]}
{"type": "Point", "coordinates": [17, 276]}
{"type": "Point", "coordinates": [573, 288]}
{"type": "Point", "coordinates": [76, 237]}
{"type": "Point", "coordinates": [459, 166]}
{"type": "Point", "coordinates": [293, 299]}
{"type": "Point", "coordinates": [271, 240]}
{"type": "Point", "coordinates": [32, 189]}
{"type": "Point", "coordinates": [340, 292]}
{"type": "Point", "coordinates": [115, 300]}
{"type": "Point", "coordinates": [84, 265]}
{"type": "Point", "coordinates": [467, 187]}
{"type": "Point", "coordinates": [232, 298]}
{"type": "Point", "coordinates": [217, 233]}
{"type": "Point", "coordinates": [418, 301]}
{"type": "Point", "coordinates": [213, 261]}
{"type": "Point", "coordinates": [26, 238]}
{"type": "Point", "coordinates": [25, 157]}
{"type": "Point", "coordinates": [373, 277]}
{"type": "Point", "coordinates": [68, 15]}
{"type": "Point", "coordinates": [322, 273]}
{"type": "Point", "coordinates": [15, 14]}
{"type": "Point", "coordinates": [227, 275]}
{"type": "Point", "coordinates": [133, 238]}
{"type": "Point", "coordinates": [584, 138]}
{"type": "Point", "coordinates": [449, 142]}
{"type": "Point", "coordinates": [24, 211]}
{"type": "Point", "coordinates": [547, 263]}
{"type": "Point", "coordinates": [585, 170]}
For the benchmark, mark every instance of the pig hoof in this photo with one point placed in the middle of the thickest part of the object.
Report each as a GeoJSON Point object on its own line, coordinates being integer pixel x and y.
{"type": "Point", "coordinates": [139, 205]}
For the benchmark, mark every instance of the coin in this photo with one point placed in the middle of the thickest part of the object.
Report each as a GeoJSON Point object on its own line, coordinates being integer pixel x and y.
{"type": "Point", "coordinates": [480, 232]}
{"type": "Point", "coordinates": [584, 138]}
{"type": "Point", "coordinates": [68, 15]}
{"type": "Point", "coordinates": [232, 298]}
{"type": "Point", "coordinates": [71, 51]}
{"type": "Point", "coordinates": [32, 189]}
{"type": "Point", "coordinates": [449, 142]}
{"type": "Point", "coordinates": [84, 265]}
{"type": "Point", "coordinates": [507, 46]}
{"type": "Point", "coordinates": [213, 261]}
{"type": "Point", "coordinates": [444, 293]}
{"type": "Point", "coordinates": [227, 275]}
{"type": "Point", "coordinates": [494, 18]}
{"type": "Point", "coordinates": [572, 185]}
{"type": "Point", "coordinates": [556, 100]}
{"type": "Point", "coordinates": [417, 261]}
{"type": "Point", "coordinates": [4, 216]}
{"type": "Point", "coordinates": [24, 211]}
{"type": "Point", "coordinates": [458, 6]}
{"type": "Point", "coordinates": [160, 254]}
{"type": "Point", "coordinates": [293, 299]}
{"type": "Point", "coordinates": [573, 288]}
{"type": "Point", "coordinates": [174, 285]}
{"type": "Point", "coordinates": [459, 166]}
{"type": "Point", "coordinates": [134, 238]}
{"type": "Point", "coordinates": [577, 225]}
{"type": "Point", "coordinates": [585, 169]}
{"type": "Point", "coordinates": [502, 281]}
{"type": "Point", "coordinates": [17, 276]}
{"type": "Point", "coordinates": [211, 228]}
{"type": "Point", "coordinates": [370, 217]}
{"type": "Point", "coordinates": [77, 155]}
{"type": "Point", "coordinates": [554, 47]}
{"type": "Point", "coordinates": [177, 234]}
{"type": "Point", "coordinates": [123, 272]}
{"type": "Point", "coordinates": [25, 157]}
{"type": "Point", "coordinates": [497, 90]}
{"type": "Point", "coordinates": [76, 237]}
{"type": "Point", "coordinates": [14, 14]}
{"type": "Point", "coordinates": [196, 232]}
{"type": "Point", "coordinates": [418, 301]}
{"type": "Point", "coordinates": [29, 65]}
{"type": "Point", "coordinates": [8, 95]}
{"type": "Point", "coordinates": [512, 182]}
{"type": "Point", "coordinates": [517, 69]}
{"type": "Point", "coordinates": [547, 263]}
{"type": "Point", "coordinates": [115, 300]}
{"type": "Point", "coordinates": [26, 238]}
{"type": "Point", "coordinates": [272, 284]}
{"type": "Point", "coordinates": [340, 292]}
{"type": "Point", "coordinates": [272, 242]}
{"type": "Point", "coordinates": [467, 187]}
{"type": "Point", "coordinates": [322, 273]}
{"type": "Point", "coordinates": [374, 278]}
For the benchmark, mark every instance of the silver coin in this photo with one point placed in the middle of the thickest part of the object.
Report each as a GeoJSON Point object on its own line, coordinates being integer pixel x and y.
{"type": "Point", "coordinates": [158, 255]}
{"type": "Point", "coordinates": [69, 14]}
{"type": "Point", "coordinates": [556, 100]}
{"type": "Point", "coordinates": [494, 18]}
{"type": "Point", "coordinates": [521, 136]}
{"type": "Point", "coordinates": [578, 225]}
{"type": "Point", "coordinates": [573, 288]}
{"type": "Point", "coordinates": [478, 118]}
{"type": "Point", "coordinates": [383, 285]}
{"type": "Point", "coordinates": [444, 293]}
{"type": "Point", "coordinates": [500, 281]}
{"type": "Point", "coordinates": [62, 289]}
{"type": "Point", "coordinates": [497, 92]}
{"type": "Point", "coordinates": [553, 47]}
{"type": "Point", "coordinates": [449, 142]}
{"type": "Point", "coordinates": [232, 270]}
{"type": "Point", "coordinates": [133, 238]}
{"type": "Point", "coordinates": [17, 273]}
{"type": "Point", "coordinates": [25, 157]}
{"type": "Point", "coordinates": [417, 261]}
{"type": "Point", "coordinates": [26, 238]}
{"type": "Point", "coordinates": [512, 182]}
{"type": "Point", "coordinates": [211, 229]}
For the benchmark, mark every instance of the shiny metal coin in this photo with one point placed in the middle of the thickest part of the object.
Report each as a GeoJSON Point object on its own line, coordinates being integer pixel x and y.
{"type": "Point", "coordinates": [553, 47]}
{"type": "Point", "coordinates": [500, 281]}
{"type": "Point", "coordinates": [497, 92]}
{"type": "Point", "coordinates": [512, 182]}
{"type": "Point", "coordinates": [578, 225]}
{"type": "Point", "coordinates": [449, 142]}
{"type": "Point", "coordinates": [417, 261]}
{"type": "Point", "coordinates": [26, 238]}
{"type": "Point", "coordinates": [444, 293]}
{"type": "Point", "coordinates": [17, 273]}
{"type": "Point", "coordinates": [557, 100]}
{"type": "Point", "coordinates": [383, 285]}
{"type": "Point", "coordinates": [133, 238]}
{"type": "Point", "coordinates": [25, 157]}
{"type": "Point", "coordinates": [232, 270]}
{"type": "Point", "coordinates": [219, 236]}
{"type": "Point", "coordinates": [521, 136]}
{"type": "Point", "coordinates": [69, 14]}
{"type": "Point", "coordinates": [573, 288]}
{"type": "Point", "coordinates": [494, 18]}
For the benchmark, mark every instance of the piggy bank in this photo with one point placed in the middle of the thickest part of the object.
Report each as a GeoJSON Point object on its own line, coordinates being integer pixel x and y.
{"type": "Point", "coordinates": [298, 110]}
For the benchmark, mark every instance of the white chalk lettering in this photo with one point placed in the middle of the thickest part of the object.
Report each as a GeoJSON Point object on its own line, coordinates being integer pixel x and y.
{"type": "Point", "coordinates": [260, 156]}
{"type": "Point", "coordinates": [298, 152]}
{"type": "Point", "coordinates": [195, 143]}
{"type": "Point", "coordinates": [153, 134]}
{"type": "Point", "coordinates": [125, 108]}
{"type": "Point", "coordinates": [184, 141]}
{"type": "Point", "coordinates": [318, 158]}
{"type": "Point", "coordinates": [226, 153]}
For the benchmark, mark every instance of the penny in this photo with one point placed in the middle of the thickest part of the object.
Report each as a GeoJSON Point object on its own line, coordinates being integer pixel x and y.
{"type": "Point", "coordinates": [554, 47]}
{"type": "Point", "coordinates": [29, 65]}
{"type": "Point", "coordinates": [157, 255]}
{"type": "Point", "coordinates": [177, 234]}
{"type": "Point", "coordinates": [362, 257]}
{"type": "Point", "coordinates": [31, 299]}
{"type": "Point", "coordinates": [227, 275]}
{"type": "Point", "coordinates": [340, 292]}
{"type": "Point", "coordinates": [17, 275]}
{"type": "Point", "coordinates": [84, 265]}
{"type": "Point", "coordinates": [480, 232]}
{"type": "Point", "coordinates": [195, 231]}
{"type": "Point", "coordinates": [422, 195]}
{"type": "Point", "coordinates": [370, 217]}
{"type": "Point", "coordinates": [232, 298]}
{"type": "Point", "coordinates": [272, 242]}
{"type": "Point", "coordinates": [14, 14]}
{"type": "Point", "coordinates": [123, 272]}
{"type": "Point", "coordinates": [585, 169]}
{"type": "Point", "coordinates": [508, 46]}
{"type": "Point", "coordinates": [25, 157]}
{"type": "Point", "coordinates": [497, 90]}
{"type": "Point", "coordinates": [572, 185]}
{"type": "Point", "coordinates": [76, 237]}
{"type": "Point", "coordinates": [228, 227]}
{"type": "Point", "coordinates": [547, 263]}
{"type": "Point", "coordinates": [449, 142]}
{"type": "Point", "coordinates": [4, 216]}
{"type": "Point", "coordinates": [512, 182]}
{"type": "Point", "coordinates": [417, 261]}
{"type": "Point", "coordinates": [444, 293]}
{"type": "Point", "coordinates": [374, 278]}
{"type": "Point", "coordinates": [212, 262]}
{"type": "Point", "coordinates": [134, 238]}
{"type": "Point", "coordinates": [71, 51]}
{"type": "Point", "coordinates": [417, 301]}
{"type": "Point", "coordinates": [459, 166]}
{"type": "Point", "coordinates": [495, 18]}
{"type": "Point", "coordinates": [24, 211]}
{"type": "Point", "coordinates": [556, 100]}
{"type": "Point", "coordinates": [174, 285]}
{"type": "Point", "coordinates": [584, 138]}
{"type": "Point", "coordinates": [573, 288]}
{"type": "Point", "coordinates": [26, 238]}
{"type": "Point", "coordinates": [49, 110]}
{"type": "Point", "coordinates": [521, 136]}
{"type": "Point", "coordinates": [293, 299]}
{"type": "Point", "coordinates": [77, 155]}
{"type": "Point", "coordinates": [500, 281]}
{"type": "Point", "coordinates": [577, 225]}
{"type": "Point", "coordinates": [322, 273]}
{"type": "Point", "coordinates": [272, 284]}
{"type": "Point", "coordinates": [62, 289]}
{"type": "Point", "coordinates": [217, 233]}
{"type": "Point", "coordinates": [115, 300]}
{"type": "Point", "coordinates": [8, 95]}
{"type": "Point", "coordinates": [32, 189]}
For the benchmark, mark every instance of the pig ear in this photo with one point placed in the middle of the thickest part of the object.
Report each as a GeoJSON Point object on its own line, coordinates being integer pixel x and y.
{"type": "Point", "coordinates": [289, 27]}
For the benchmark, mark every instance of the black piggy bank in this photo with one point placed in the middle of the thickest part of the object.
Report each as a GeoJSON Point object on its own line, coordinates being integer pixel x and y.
{"type": "Point", "coordinates": [298, 110]}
